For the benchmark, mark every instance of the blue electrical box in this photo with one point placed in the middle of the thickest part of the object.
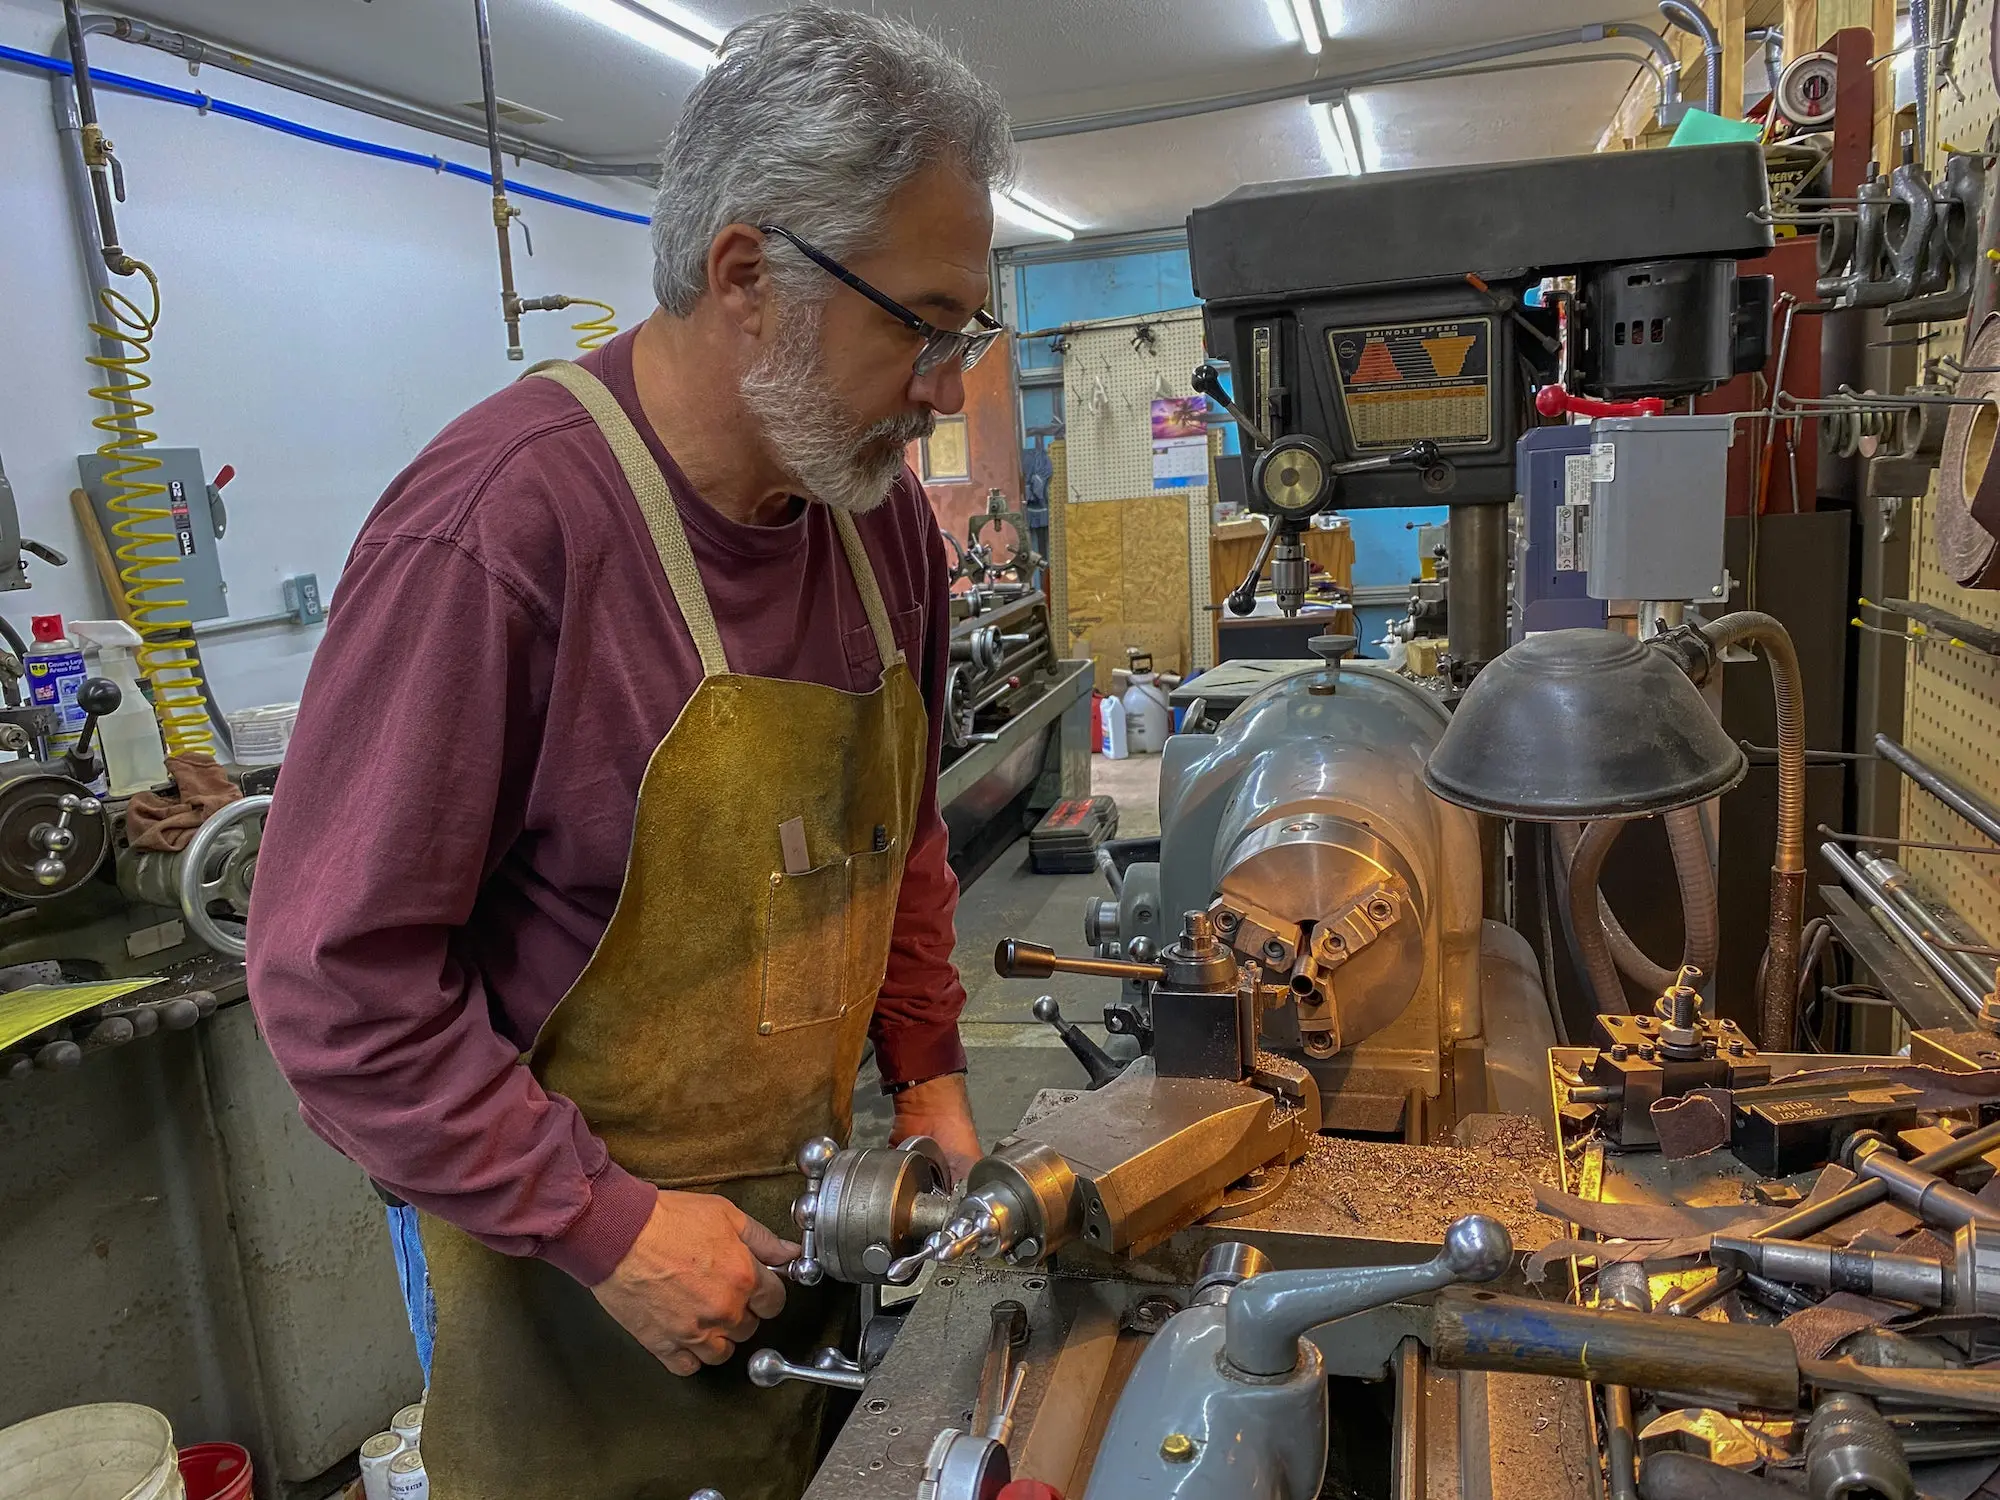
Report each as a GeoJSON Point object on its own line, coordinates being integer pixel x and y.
{"type": "Point", "coordinates": [1552, 474]}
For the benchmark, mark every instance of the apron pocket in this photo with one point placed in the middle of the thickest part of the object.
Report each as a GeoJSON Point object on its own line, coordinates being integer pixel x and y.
{"type": "Point", "coordinates": [874, 882]}
{"type": "Point", "coordinates": [805, 945]}
{"type": "Point", "coordinates": [826, 939]}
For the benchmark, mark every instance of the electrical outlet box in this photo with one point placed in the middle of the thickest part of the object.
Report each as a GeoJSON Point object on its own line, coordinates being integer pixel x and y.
{"type": "Point", "coordinates": [175, 528]}
{"type": "Point", "coordinates": [303, 600]}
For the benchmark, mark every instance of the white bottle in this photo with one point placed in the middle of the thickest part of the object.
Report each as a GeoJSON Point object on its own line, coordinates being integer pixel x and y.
{"type": "Point", "coordinates": [1149, 718]}
{"type": "Point", "coordinates": [129, 740]}
{"type": "Point", "coordinates": [1114, 729]}
{"type": "Point", "coordinates": [55, 671]}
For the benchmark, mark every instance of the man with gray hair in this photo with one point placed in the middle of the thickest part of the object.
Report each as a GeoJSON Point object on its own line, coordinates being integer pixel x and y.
{"type": "Point", "coordinates": [608, 836]}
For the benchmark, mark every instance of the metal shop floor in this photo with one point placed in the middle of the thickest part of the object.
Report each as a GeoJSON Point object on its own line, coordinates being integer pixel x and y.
{"type": "Point", "coordinates": [1011, 1055]}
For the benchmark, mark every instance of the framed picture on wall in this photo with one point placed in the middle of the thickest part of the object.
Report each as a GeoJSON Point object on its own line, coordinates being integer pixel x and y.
{"type": "Point", "coordinates": [947, 453]}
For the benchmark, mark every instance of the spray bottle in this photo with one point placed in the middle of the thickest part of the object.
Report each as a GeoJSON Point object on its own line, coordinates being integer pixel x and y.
{"type": "Point", "coordinates": [129, 740]}
{"type": "Point", "coordinates": [55, 671]}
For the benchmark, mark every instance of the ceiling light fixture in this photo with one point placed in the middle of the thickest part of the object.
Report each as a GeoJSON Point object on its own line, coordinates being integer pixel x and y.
{"type": "Point", "coordinates": [1019, 209]}
{"type": "Point", "coordinates": [1339, 135]}
{"type": "Point", "coordinates": [666, 29]}
{"type": "Point", "coordinates": [1332, 17]}
{"type": "Point", "coordinates": [1308, 24]}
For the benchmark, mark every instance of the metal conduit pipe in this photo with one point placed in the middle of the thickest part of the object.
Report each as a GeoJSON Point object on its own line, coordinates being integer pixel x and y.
{"type": "Point", "coordinates": [1578, 36]}
{"type": "Point", "coordinates": [1920, 73]}
{"type": "Point", "coordinates": [1975, 809]}
{"type": "Point", "coordinates": [1521, 65]}
{"type": "Point", "coordinates": [1856, 880]}
{"type": "Point", "coordinates": [1773, 38]}
{"type": "Point", "coordinates": [1893, 881]}
{"type": "Point", "coordinates": [200, 52]}
{"type": "Point", "coordinates": [1586, 913]}
{"type": "Point", "coordinates": [1700, 918]}
{"type": "Point", "coordinates": [1692, 18]}
{"type": "Point", "coordinates": [1780, 1003]}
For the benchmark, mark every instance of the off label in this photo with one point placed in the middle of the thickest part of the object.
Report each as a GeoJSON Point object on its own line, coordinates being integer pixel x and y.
{"type": "Point", "coordinates": [177, 502]}
{"type": "Point", "coordinates": [1406, 381]}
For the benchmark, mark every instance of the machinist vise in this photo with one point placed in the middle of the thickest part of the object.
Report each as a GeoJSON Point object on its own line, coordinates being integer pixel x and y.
{"type": "Point", "coordinates": [1203, 1122]}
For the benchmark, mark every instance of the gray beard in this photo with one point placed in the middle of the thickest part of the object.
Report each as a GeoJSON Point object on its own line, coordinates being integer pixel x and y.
{"type": "Point", "coordinates": [814, 435]}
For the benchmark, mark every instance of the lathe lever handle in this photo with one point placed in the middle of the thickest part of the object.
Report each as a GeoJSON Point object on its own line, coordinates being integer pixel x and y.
{"type": "Point", "coordinates": [768, 1368]}
{"type": "Point", "coordinates": [1554, 401]}
{"type": "Point", "coordinates": [1016, 958]}
{"type": "Point", "coordinates": [1099, 1064]}
{"type": "Point", "coordinates": [1207, 381]}
{"type": "Point", "coordinates": [1269, 1314]}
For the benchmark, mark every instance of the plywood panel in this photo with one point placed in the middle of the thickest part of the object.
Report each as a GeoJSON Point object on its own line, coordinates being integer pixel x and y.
{"type": "Point", "coordinates": [1095, 543]}
{"type": "Point", "coordinates": [1952, 702]}
{"type": "Point", "coordinates": [1156, 558]}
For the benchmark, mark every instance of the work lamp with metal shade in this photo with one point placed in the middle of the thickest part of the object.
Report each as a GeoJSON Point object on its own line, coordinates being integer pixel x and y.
{"type": "Point", "coordinates": [1573, 726]}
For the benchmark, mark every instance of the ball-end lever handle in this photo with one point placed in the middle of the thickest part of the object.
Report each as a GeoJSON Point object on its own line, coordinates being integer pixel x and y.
{"type": "Point", "coordinates": [768, 1368]}
{"type": "Point", "coordinates": [1099, 1064]}
{"type": "Point", "coordinates": [815, 1156]}
{"type": "Point", "coordinates": [1207, 381]}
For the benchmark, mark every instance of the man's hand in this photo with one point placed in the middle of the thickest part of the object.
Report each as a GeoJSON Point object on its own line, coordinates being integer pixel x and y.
{"type": "Point", "coordinates": [697, 1281]}
{"type": "Point", "coordinates": [941, 1110]}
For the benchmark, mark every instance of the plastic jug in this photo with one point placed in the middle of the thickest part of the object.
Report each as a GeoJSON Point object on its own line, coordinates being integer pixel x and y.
{"type": "Point", "coordinates": [129, 740]}
{"type": "Point", "coordinates": [1114, 730]}
{"type": "Point", "coordinates": [1149, 718]}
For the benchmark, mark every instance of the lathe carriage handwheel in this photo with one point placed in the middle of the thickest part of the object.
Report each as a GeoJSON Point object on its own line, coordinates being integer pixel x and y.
{"type": "Point", "coordinates": [235, 865]}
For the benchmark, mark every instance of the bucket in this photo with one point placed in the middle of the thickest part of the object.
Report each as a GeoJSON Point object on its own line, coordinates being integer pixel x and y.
{"type": "Point", "coordinates": [110, 1451]}
{"type": "Point", "coordinates": [216, 1471]}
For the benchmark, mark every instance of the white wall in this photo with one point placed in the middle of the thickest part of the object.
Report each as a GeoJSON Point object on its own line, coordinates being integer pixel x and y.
{"type": "Point", "coordinates": [323, 314]}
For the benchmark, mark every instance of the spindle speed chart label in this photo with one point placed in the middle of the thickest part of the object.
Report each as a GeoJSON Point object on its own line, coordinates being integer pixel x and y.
{"type": "Point", "coordinates": [1409, 381]}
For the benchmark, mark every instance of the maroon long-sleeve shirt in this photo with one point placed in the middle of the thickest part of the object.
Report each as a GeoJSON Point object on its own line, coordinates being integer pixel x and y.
{"type": "Point", "coordinates": [452, 823]}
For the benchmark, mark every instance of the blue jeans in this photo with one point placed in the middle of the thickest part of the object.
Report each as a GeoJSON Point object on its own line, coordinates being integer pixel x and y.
{"type": "Point", "coordinates": [415, 1276]}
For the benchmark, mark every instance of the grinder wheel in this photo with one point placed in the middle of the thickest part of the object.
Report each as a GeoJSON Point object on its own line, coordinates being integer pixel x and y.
{"type": "Point", "coordinates": [1968, 508]}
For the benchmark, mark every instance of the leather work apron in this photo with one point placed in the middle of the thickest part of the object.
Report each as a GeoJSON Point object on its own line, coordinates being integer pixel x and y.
{"type": "Point", "coordinates": [718, 1025]}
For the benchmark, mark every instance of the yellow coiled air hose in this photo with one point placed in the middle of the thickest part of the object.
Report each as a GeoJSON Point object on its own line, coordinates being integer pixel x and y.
{"type": "Point", "coordinates": [595, 333]}
{"type": "Point", "coordinates": [167, 657]}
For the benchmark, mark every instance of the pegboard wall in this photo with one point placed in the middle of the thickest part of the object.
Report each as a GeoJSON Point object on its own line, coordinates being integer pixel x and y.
{"type": "Point", "coordinates": [1135, 560]}
{"type": "Point", "coordinates": [1952, 698]}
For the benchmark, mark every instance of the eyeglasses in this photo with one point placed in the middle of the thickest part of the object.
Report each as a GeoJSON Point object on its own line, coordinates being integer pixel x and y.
{"type": "Point", "coordinates": [941, 346]}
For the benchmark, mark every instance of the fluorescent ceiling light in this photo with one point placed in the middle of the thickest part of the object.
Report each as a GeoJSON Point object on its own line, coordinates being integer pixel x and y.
{"type": "Point", "coordinates": [667, 29]}
{"type": "Point", "coordinates": [1332, 17]}
{"type": "Point", "coordinates": [1339, 136]}
{"type": "Point", "coordinates": [1016, 209]}
{"type": "Point", "coordinates": [1308, 24]}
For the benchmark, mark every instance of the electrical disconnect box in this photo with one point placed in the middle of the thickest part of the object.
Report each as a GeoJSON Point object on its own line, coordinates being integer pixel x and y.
{"type": "Point", "coordinates": [13, 572]}
{"type": "Point", "coordinates": [1658, 490]}
{"type": "Point", "coordinates": [181, 534]}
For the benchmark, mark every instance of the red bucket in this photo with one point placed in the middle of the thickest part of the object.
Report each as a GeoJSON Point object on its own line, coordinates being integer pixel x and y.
{"type": "Point", "coordinates": [216, 1471]}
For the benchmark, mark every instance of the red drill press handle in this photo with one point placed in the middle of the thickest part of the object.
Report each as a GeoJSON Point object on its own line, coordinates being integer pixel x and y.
{"type": "Point", "coordinates": [1554, 401]}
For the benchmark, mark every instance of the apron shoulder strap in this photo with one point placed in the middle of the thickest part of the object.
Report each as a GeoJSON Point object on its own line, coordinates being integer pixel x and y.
{"type": "Point", "coordinates": [656, 504]}
{"type": "Point", "coordinates": [870, 590]}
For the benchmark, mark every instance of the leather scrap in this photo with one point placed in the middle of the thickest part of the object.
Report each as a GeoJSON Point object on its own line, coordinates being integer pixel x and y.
{"type": "Point", "coordinates": [1648, 1221]}
{"type": "Point", "coordinates": [1955, 1479]}
{"type": "Point", "coordinates": [1613, 1253]}
{"type": "Point", "coordinates": [1637, 1231]}
{"type": "Point", "coordinates": [1816, 1331]}
{"type": "Point", "coordinates": [167, 824]}
{"type": "Point", "coordinates": [1693, 1124]}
